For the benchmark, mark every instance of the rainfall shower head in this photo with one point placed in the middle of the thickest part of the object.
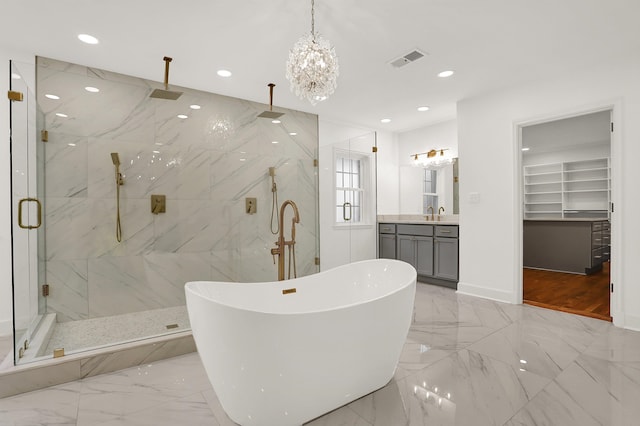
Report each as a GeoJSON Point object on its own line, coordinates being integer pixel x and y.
{"type": "Point", "coordinates": [271, 114]}
{"type": "Point", "coordinates": [115, 158]}
{"type": "Point", "coordinates": [166, 93]}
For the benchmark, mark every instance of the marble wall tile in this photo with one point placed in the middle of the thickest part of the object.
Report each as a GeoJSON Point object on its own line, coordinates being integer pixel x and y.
{"type": "Point", "coordinates": [65, 166]}
{"type": "Point", "coordinates": [68, 281]}
{"type": "Point", "coordinates": [195, 164]}
{"type": "Point", "coordinates": [118, 285]}
{"type": "Point", "coordinates": [67, 229]}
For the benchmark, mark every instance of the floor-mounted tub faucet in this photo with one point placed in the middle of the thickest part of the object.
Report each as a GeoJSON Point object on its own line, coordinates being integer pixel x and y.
{"type": "Point", "coordinates": [282, 243]}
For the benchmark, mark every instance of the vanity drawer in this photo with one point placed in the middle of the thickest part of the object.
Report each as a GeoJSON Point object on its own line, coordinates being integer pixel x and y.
{"type": "Point", "coordinates": [420, 230]}
{"type": "Point", "coordinates": [447, 231]}
{"type": "Point", "coordinates": [387, 228]}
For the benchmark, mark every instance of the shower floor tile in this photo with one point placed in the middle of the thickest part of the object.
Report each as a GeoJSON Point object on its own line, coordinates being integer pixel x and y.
{"type": "Point", "coordinates": [93, 333]}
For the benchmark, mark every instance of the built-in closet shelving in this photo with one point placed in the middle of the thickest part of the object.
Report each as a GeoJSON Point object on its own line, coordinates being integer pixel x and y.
{"type": "Point", "coordinates": [570, 189]}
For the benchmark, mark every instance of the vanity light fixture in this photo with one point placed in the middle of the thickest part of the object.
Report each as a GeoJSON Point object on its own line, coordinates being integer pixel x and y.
{"type": "Point", "coordinates": [434, 159]}
{"type": "Point", "coordinates": [312, 67]}
{"type": "Point", "coordinates": [89, 39]}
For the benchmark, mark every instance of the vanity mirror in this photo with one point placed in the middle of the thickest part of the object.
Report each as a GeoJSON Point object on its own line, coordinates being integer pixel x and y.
{"type": "Point", "coordinates": [422, 187]}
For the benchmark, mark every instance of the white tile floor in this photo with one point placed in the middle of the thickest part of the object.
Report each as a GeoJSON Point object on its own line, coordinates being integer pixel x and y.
{"type": "Point", "coordinates": [467, 361]}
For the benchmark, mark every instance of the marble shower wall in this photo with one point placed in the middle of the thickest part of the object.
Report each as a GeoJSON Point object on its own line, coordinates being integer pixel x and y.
{"type": "Point", "coordinates": [205, 164]}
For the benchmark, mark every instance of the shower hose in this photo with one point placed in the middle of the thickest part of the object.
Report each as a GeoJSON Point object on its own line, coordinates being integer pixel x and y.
{"type": "Point", "coordinates": [274, 207]}
{"type": "Point", "coordinates": [118, 225]}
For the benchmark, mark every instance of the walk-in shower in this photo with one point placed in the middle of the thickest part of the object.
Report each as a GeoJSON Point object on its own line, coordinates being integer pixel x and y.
{"type": "Point", "coordinates": [103, 290]}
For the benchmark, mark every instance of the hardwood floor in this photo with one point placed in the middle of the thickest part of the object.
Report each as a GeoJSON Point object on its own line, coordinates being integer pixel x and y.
{"type": "Point", "coordinates": [586, 295]}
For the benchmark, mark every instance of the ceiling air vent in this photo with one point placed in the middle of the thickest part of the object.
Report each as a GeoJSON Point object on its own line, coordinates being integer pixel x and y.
{"type": "Point", "coordinates": [407, 59]}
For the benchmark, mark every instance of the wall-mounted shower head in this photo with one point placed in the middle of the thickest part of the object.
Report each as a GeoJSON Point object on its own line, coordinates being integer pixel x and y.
{"type": "Point", "coordinates": [115, 158]}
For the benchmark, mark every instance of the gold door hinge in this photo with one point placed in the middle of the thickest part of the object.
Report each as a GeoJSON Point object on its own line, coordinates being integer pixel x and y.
{"type": "Point", "coordinates": [374, 149]}
{"type": "Point", "coordinates": [15, 96]}
{"type": "Point", "coordinates": [58, 353]}
{"type": "Point", "coordinates": [315, 162]}
{"type": "Point", "coordinates": [317, 261]}
{"type": "Point", "coordinates": [45, 290]}
{"type": "Point", "coordinates": [44, 136]}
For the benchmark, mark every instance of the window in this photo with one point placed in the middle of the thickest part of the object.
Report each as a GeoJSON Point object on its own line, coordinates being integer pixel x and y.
{"type": "Point", "coordinates": [350, 172]}
{"type": "Point", "coordinates": [429, 195]}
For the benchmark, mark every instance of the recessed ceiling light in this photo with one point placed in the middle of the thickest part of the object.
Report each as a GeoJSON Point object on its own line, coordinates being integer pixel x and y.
{"type": "Point", "coordinates": [59, 114]}
{"type": "Point", "coordinates": [50, 96]}
{"type": "Point", "coordinates": [423, 108]}
{"type": "Point", "coordinates": [15, 76]}
{"type": "Point", "coordinates": [224, 73]}
{"type": "Point", "coordinates": [89, 39]}
{"type": "Point", "coordinates": [275, 142]}
{"type": "Point", "coordinates": [92, 89]}
{"type": "Point", "coordinates": [292, 133]}
{"type": "Point", "coordinates": [276, 121]}
{"type": "Point", "coordinates": [194, 106]}
{"type": "Point", "coordinates": [385, 120]}
{"type": "Point", "coordinates": [447, 73]}
{"type": "Point", "coordinates": [183, 116]}
{"type": "Point", "coordinates": [526, 149]}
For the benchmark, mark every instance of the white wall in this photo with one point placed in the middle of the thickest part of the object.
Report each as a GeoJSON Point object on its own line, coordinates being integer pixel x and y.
{"type": "Point", "coordinates": [490, 228]}
{"type": "Point", "coordinates": [388, 174]}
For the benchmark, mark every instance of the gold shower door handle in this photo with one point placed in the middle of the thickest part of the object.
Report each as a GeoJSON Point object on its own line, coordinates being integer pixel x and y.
{"type": "Point", "coordinates": [28, 200]}
{"type": "Point", "coordinates": [344, 212]}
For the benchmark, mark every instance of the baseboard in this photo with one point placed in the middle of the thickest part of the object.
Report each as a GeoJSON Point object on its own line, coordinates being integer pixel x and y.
{"type": "Point", "coordinates": [6, 328]}
{"type": "Point", "coordinates": [485, 293]}
{"type": "Point", "coordinates": [631, 322]}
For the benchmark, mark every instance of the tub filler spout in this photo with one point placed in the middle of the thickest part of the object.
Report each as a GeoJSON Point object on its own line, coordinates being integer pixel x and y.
{"type": "Point", "coordinates": [282, 243]}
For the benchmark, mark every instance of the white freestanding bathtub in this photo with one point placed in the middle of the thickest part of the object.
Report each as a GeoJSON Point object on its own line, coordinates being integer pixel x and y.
{"type": "Point", "coordinates": [276, 357]}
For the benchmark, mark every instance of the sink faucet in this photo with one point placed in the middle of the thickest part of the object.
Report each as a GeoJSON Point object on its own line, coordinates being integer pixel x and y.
{"type": "Point", "coordinates": [427, 216]}
{"type": "Point", "coordinates": [441, 208]}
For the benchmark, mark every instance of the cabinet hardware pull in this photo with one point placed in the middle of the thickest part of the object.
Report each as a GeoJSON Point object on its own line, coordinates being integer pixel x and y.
{"type": "Point", "coordinates": [445, 232]}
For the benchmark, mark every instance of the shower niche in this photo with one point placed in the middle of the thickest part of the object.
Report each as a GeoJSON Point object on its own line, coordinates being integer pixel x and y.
{"type": "Point", "coordinates": [114, 267]}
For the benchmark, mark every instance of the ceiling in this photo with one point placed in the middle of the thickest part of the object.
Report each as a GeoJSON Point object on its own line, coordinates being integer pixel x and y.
{"type": "Point", "coordinates": [491, 44]}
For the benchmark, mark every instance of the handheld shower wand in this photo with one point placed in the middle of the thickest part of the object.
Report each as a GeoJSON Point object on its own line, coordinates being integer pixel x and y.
{"type": "Point", "coordinates": [274, 202]}
{"type": "Point", "coordinates": [119, 181]}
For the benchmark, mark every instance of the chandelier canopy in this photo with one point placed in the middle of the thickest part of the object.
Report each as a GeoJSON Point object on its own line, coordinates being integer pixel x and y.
{"type": "Point", "coordinates": [312, 68]}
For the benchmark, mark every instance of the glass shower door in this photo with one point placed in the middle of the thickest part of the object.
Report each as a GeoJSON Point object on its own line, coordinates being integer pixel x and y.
{"type": "Point", "coordinates": [29, 303]}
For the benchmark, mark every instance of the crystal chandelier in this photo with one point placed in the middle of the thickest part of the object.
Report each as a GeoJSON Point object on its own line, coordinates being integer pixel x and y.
{"type": "Point", "coordinates": [432, 160]}
{"type": "Point", "coordinates": [312, 68]}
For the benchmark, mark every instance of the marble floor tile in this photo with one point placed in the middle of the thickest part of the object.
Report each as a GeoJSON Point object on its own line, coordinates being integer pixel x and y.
{"type": "Point", "coordinates": [460, 365]}
{"type": "Point", "coordinates": [535, 346]}
{"type": "Point", "coordinates": [466, 388]}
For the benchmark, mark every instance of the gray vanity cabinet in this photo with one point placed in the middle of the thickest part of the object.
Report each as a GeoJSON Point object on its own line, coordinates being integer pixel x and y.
{"type": "Point", "coordinates": [415, 246]}
{"type": "Point", "coordinates": [387, 240]}
{"type": "Point", "coordinates": [431, 249]}
{"type": "Point", "coordinates": [445, 247]}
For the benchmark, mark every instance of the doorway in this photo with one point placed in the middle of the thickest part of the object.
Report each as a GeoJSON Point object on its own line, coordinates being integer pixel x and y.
{"type": "Point", "coordinates": [566, 192]}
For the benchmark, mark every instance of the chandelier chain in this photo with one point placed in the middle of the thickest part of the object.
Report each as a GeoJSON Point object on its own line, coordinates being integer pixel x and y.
{"type": "Point", "coordinates": [313, 24]}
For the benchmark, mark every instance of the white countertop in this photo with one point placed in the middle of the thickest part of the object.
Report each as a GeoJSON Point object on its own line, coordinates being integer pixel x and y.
{"type": "Point", "coordinates": [419, 219]}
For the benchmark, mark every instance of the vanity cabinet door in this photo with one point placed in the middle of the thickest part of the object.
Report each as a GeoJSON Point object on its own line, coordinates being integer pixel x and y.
{"type": "Point", "coordinates": [387, 246]}
{"type": "Point", "coordinates": [406, 249]}
{"type": "Point", "coordinates": [424, 255]}
{"type": "Point", "coordinates": [446, 258]}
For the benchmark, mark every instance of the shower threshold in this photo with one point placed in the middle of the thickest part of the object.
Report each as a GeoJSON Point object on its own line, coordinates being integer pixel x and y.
{"type": "Point", "coordinates": [95, 333]}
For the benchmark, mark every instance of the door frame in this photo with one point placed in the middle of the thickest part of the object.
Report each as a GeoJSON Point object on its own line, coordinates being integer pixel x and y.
{"type": "Point", "coordinates": [615, 299]}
